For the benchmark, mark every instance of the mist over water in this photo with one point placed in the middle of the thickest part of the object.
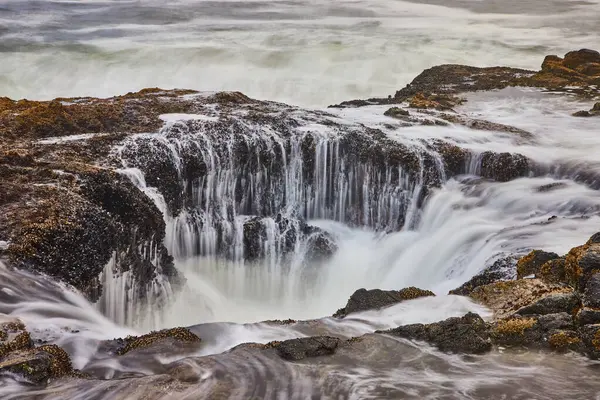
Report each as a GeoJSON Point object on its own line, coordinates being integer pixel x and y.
{"type": "Point", "coordinates": [305, 52]}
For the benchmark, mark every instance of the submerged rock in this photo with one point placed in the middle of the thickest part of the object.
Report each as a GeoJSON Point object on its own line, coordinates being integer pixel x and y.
{"type": "Point", "coordinates": [595, 111]}
{"type": "Point", "coordinates": [301, 348]}
{"type": "Point", "coordinates": [364, 299]}
{"type": "Point", "coordinates": [467, 334]}
{"type": "Point", "coordinates": [396, 112]}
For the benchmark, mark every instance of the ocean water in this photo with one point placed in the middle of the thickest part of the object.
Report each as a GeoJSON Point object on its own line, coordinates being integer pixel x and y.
{"type": "Point", "coordinates": [305, 52]}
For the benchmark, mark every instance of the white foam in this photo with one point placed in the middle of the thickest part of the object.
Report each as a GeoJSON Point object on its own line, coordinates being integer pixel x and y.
{"type": "Point", "coordinates": [187, 117]}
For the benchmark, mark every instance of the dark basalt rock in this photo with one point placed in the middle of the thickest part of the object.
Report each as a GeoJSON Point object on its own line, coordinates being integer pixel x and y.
{"type": "Point", "coordinates": [71, 240]}
{"type": "Point", "coordinates": [467, 334]}
{"type": "Point", "coordinates": [299, 349]}
{"type": "Point", "coordinates": [154, 158]}
{"type": "Point", "coordinates": [364, 299]}
{"type": "Point", "coordinates": [591, 294]}
{"type": "Point", "coordinates": [452, 79]}
{"type": "Point", "coordinates": [254, 236]}
{"type": "Point", "coordinates": [502, 269]}
{"type": "Point", "coordinates": [503, 167]}
{"type": "Point", "coordinates": [505, 298]}
{"type": "Point", "coordinates": [553, 303]}
{"type": "Point", "coordinates": [533, 262]}
{"type": "Point", "coordinates": [529, 331]}
{"type": "Point", "coordinates": [588, 316]}
{"type": "Point", "coordinates": [590, 335]}
{"type": "Point", "coordinates": [320, 245]}
{"type": "Point", "coordinates": [595, 109]}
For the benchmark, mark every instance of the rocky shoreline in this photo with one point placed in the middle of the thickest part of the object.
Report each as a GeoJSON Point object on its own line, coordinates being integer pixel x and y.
{"type": "Point", "coordinates": [67, 210]}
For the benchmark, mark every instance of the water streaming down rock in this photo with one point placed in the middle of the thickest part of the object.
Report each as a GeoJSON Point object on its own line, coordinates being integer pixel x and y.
{"type": "Point", "coordinates": [239, 189]}
{"type": "Point", "coordinates": [232, 187]}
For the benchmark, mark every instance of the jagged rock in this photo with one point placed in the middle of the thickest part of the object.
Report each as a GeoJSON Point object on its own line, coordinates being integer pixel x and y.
{"type": "Point", "coordinates": [578, 68]}
{"type": "Point", "coordinates": [503, 167]}
{"type": "Point", "coordinates": [532, 263]}
{"type": "Point", "coordinates": [155, 159]}
{"type": "Point", "coordinates": [502, 269]}
{"type": "Point", "coordinates": [364, 299]}
{"type": "Point", "coordinates": [553, 303]}
{"type": "Point", "coordinates": [467, 334]}
{"type": "Point", "coordinates": [301, 348]}
{"type": "Point", "coordinates": [505, 298]}
{"type": "Point", "coordinates": [582, 262]}
{"type": "Point", "coordinates": [131, 343]}
{"type": "Point", "coordinates": [320, 245]}
{"type": "Point", "coordinates": [552, 271]}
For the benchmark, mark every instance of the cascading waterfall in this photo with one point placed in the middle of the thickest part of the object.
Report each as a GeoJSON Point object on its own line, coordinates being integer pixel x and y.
{"type": "Point", "coordinates": [256, 211]}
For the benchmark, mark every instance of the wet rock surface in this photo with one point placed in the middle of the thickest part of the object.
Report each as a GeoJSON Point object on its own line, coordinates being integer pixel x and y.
{"type": "Point", "coordinates": [131, 343]}
{"type": "Point", "coordinates": [500, 270]}
{"type": "Point", "coordinates": [364, 299]}
{"type": "Point", "coordinates": [19, 356]}
{"type": "Point", "coordinates": [299, 349]}
{"type": "Point", "coordinates": [507, 297]}
{"type": "Point", "coordinates": [532, 263]}
{"type": "Point", "coordinates": [60, 156]}
{"type": "Point", "coordinates": [467, 334]}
